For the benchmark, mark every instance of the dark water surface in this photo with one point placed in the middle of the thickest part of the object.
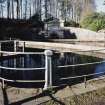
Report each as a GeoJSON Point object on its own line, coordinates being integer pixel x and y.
{"type": "Point", "coordinates": [37, 61]}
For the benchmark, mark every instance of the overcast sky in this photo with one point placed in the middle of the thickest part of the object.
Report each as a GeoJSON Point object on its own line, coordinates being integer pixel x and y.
{"type": "Point", "coordinates": [100, 6]}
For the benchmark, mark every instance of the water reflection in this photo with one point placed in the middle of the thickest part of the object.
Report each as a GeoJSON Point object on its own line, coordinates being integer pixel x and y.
{"type": "Point", "coordinates": [37, 61]}
{"type": "Point", "coordinates": [100, 68]}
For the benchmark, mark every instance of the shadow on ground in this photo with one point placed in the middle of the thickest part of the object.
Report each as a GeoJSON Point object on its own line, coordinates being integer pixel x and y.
{"type": "Point", "coordinates": [40, 95]}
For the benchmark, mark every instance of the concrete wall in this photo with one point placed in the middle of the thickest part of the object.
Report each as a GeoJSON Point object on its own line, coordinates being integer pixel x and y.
{"type": "Point", "coordinates": [84, 34]}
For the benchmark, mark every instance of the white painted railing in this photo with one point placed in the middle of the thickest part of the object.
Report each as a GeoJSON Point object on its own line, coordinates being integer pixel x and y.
{"type": "Point", "coordinates": [48, 68]}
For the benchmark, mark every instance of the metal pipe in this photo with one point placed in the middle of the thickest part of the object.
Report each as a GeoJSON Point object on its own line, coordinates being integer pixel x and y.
{"type": "Point", "coordinates": [48, 69]}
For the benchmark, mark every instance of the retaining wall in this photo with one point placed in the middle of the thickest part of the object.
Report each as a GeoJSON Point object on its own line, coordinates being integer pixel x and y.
{"type": "Point", "coordinates": [84, 34]}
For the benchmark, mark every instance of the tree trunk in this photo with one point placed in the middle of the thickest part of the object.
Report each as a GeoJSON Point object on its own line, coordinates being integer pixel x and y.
{"type": "Point", "coordinates": [12, 9]}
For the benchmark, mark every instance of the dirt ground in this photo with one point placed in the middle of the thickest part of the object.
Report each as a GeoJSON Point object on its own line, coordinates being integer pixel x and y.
{"type": "Point", "coordinates": [93, 94]}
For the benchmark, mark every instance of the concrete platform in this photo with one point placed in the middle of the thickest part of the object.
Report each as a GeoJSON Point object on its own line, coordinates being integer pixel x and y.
{"type": "Point", "coordinates": [61, 47]}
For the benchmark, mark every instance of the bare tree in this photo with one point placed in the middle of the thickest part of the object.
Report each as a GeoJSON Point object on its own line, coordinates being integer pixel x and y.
{"type": "Point", "coordinates": [8, 8]}
{"type": "Point", "coordinates": [21, 6]}
{"type": "Point", "coordinates": [12, 7]}
{"type": "Point", "coordinates": [65, 9]}
{"type": "Point", "coordinates": [25, 6]}
{"type": "Point", "coordinates": [1, 10]}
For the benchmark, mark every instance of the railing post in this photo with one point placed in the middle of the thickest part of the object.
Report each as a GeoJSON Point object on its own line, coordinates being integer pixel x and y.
{"type": "Point", "coordinates": [85, 81]}
{"type": "Point", "coordinates": [3, 84]}
{"type": "Point", "coordinates": [0, 46]}
{"type": "Point", "coordinates": [0, 50]}
{"type": "Point", "coordinates": [23, 59]}
{"type": "Point", "coordinates": [15, 49]}
{"type": "Point", "coordinates": [23, 48]}
{"type": "Point", "coordinates": [15, 46]}
{"type": "Point", "coordinates": [10, 38]}
{"type": "Point", "coordinates": [0, 56]}
{"type": "Point", "coordinates": [48, 69]}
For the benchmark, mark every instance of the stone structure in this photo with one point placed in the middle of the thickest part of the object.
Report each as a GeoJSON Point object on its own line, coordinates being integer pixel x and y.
{"type": "Point", "coordinates": [84, 34]}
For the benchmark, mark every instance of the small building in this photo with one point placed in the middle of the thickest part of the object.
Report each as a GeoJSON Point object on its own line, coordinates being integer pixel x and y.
{"type": "Point", "coordinates": [54, 24]}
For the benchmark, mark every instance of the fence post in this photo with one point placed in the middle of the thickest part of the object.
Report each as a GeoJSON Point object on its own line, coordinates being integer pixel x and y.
{"type": "Point", "coordinates": [15, 46]}
{"type": "Point", "coordinates": [0, 50]}
{"type": "Point", "coordinates": [3, 84]}
{"type": "Point", "coordinates": [48, 69]}
{"type": "Point", "coordinates": [10, 38]}
{"type": "Point", "coordinates": [23, 48]}
{"type": "Point", "coordinates": [15, 49]}
{"type": "Point", "coordinates": [0, 56]}
{"type": "Point", "coordinates": [0, 46]}
{"type": "Point", "coordinates": [23, 59]}
{"type": "Point", "coordinates": [85, 81]}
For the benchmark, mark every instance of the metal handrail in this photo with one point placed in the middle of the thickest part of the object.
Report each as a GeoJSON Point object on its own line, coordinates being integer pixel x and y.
{"type": "Point", "coordinates": [43, 68]}
{"type": "Point", "coordinates": [91, 50]}
{"type": "Point", "coordinates": [22, 81]}
{"type": "Point", "coordinates": [93, 74]}
{"type": "Point", "coordinates": [83, 64]}
{"type": "Point", "coordinates": [22, 53]}
{"type": "Point", "coordinates": [5, 41]}
{"type": "Point", "coordinates": [21, 69]}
